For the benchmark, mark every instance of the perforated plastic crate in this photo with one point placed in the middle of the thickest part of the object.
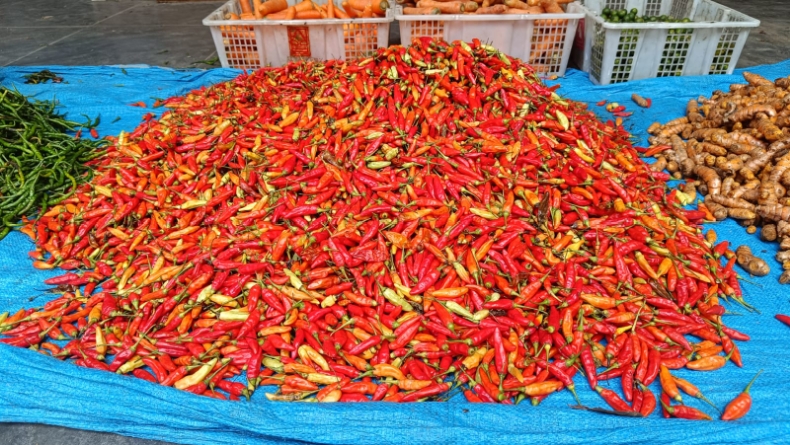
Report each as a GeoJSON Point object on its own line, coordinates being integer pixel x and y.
{"type": "Point", "coordinates": [251, 44]}
{"type": "Point", "coordinates": [618, 52]}
{"type": "Point", "coordinates": [542, 40]}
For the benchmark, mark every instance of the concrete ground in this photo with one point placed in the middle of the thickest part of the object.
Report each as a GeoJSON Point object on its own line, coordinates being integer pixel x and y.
{"type": "Point", "coordinates": [110, 32]}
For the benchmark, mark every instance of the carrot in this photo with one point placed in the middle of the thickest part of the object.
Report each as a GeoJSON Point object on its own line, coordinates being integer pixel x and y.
{"type": "Point", "coordinates": [282, 15]}
{"type": "Point", "coordinates": [245, 8]}
{"type": "Point", "coordinates": [330, 9]}
{"type": "Point", "coordinates": [496, 9]}
{"type": "Point", "coordinates": [518, 4]}
{"type": "Point", "coordinates": [269, 7]}
{"type": "Point", "coordinates": [376, 6]}
{"type": "Point", "coordinates": [367, 12]}
{"type": "Point", "coordinates": [454, 7]}
{"type": "Point", "coordinates": [353, 13]}
{"type": "Point", "coordinates": [339, 13]}
{"type": "Point", "coordinates": [309, 15]}
{"type": "Point", "coordinates": [322, 11]}
{"type": "Point", "coordinates": [232, 16]}
{"type": "Point", "coordinates": [306, 5]}
{"type": "Point", "coordinates": [529, 10]}
{"type": "Point", "coordinates": [421, 11]}
{"type": "Point", "coordinates": [551, 7]}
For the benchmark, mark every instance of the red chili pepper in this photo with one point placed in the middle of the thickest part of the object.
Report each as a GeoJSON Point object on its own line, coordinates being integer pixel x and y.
{"type": "Point", "coordinates": [324, 205]}
{"type": "Point", "coordinates": [741, 404]}
{"type": "Point", "coordinates": [613, 399]}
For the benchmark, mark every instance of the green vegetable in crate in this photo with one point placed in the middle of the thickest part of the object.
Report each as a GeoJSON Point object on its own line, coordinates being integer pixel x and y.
{"type": "Point", "coordinates": [39, 163]}
{"type": "Point", "coordinates": [632, 16]}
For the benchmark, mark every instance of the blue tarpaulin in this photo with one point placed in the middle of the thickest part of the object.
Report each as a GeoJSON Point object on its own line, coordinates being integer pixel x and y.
{"type": "Point", "coordinates": [36, 388]}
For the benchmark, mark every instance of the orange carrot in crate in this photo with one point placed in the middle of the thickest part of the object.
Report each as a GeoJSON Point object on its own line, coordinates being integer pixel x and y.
{"type": "Point", "coordinates": [339, 13]}
{"type": "Point", "coordinates": [270, 7]}
{"type": "Point", "coordinates": [421, 11]}
{"type": "Point", "coordinates": [529, 10]}
{"type": "Point", "coordinates": [367, 12]}
{"type": "Point", "coordinates": [288, 14]}
{"type": "Point", "coordinates": [376, 6]}
{"type": "Point", "coordinates": [353, 13]}
{"type": "Point", "coordinates": [454, 7]}
{"type": "Point", "coordinates": [551, 7]}
{"type": "Point", "coordinates": [305, 5]}
{"type": "Point", "coordinates": [330, 9]}
{"type": "Point", "coordinates": [496, 9]}
{"type": "Point", "coordinates": [518, 4]}
{"type": "Point", "coordinates": [246, 9]}
{"type": "Point", "coordinates": [292, 12]}
{"type": "Point", "coordinates": [309, 15]}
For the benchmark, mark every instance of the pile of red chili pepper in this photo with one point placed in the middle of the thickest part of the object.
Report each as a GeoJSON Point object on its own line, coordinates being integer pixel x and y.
{"type": "Point", "coordinates": [430, 220]}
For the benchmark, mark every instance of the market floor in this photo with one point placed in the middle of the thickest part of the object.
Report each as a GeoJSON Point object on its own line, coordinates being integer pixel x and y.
{"type": "Point", "coordinates": [123, 32]}
{"type": "Point", "coordinates": [111, 32]}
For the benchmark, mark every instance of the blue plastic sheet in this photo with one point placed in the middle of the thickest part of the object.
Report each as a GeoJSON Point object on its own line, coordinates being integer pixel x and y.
{"type": "Point", "coordinates": [35, 388]}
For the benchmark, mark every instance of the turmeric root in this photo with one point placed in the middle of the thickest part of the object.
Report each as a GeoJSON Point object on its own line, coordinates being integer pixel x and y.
{"type": "Point", "coordinates": [737, 144]}
{"type": "Point", "coordinates": [742, 214]}
{"type": "Point", "coordinates": [768, 232]}
{"type": "Point", "coordinates": [750, 112]}
{"type": "Point", "coordinates": [669, 130]}
{"type": "Point", "coordinates": [716, 150]}
{"type": "Point", "coordinates": [653, 128]}
{"type": "Point", "coordinates": [690, 190]}
{"type": "Point", "coordinates": [756, 79]}
{"type": "Point", "coordinates": [681, 120]}
{"type": "Point", "coordinates": [710, 178]}
{"type": "Point", "coordinates": [692, 111]}
{"type": "Point", "coordinates": [732, 203]}
{"type": "Point", "coordinates": [717, 210]}
{"type": "Point", "coordinates": [755, 266]}
{"type": "Point", "coordinates": [659, 165]}
{"type": "Point", "coordinates": [639, 100]}
{"type": "Point", "coordinates": [775, 212]}
{"type": "Point", "coordinates": [768, 129]}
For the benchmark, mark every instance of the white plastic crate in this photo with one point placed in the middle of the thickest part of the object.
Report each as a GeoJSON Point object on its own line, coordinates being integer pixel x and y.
{"type": "Point", "coordinates": [252, 44]}
{"type": "Point", "coordinates": [542, 40]}
{"type": "Point", "coordinates": [618, 52]}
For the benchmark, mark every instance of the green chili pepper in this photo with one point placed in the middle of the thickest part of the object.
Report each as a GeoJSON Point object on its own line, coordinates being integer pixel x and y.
{"type": "Point", "coordinates": [40, 162]}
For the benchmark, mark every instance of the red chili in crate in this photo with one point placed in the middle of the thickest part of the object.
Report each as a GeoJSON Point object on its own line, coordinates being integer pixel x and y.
{"type": "Point", "coordinates": [321, 231]}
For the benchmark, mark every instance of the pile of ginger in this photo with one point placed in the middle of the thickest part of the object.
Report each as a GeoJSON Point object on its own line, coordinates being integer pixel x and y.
{"type": "Point", "coordinates": [734, 147]}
